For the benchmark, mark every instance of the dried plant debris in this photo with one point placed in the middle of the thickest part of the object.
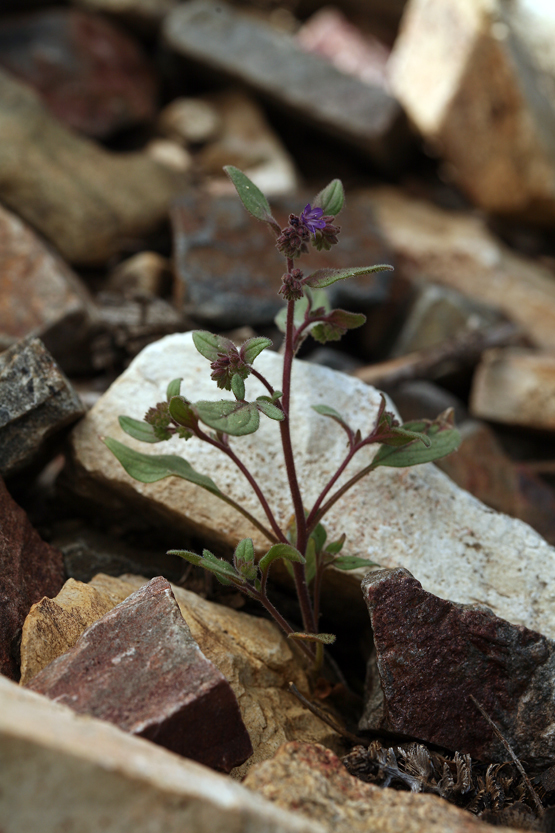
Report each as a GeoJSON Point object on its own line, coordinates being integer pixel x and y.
{"type": "Point", "coordinates": [495, 792]}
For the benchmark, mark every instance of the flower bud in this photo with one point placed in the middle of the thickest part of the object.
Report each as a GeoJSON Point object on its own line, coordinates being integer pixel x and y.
{"type": "Point", "coordinates": [291, 286]}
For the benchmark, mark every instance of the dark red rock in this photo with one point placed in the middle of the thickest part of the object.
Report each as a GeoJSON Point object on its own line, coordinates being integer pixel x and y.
{"type": "Point", "coordinates": [140, 668]}
{"type": "Point", "coordinates": [92, 75]}
{"type": "Point", "coordinates": [432, 655]}
{"type": "Point", "coordinates": [29, 570]}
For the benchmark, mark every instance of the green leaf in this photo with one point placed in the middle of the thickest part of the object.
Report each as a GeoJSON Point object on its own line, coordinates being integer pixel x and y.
{"type": "Point", "coordinates": [310, 565]}
{"type": "Point", "coordinates": [180, 410]}
{"type": "Point", "coordinates": [174, 388]}
{"type": "Point", "coordinates": [336, 546]}
{"type": "Point", "coordinates": [285, 551]}
{"type": "Point", "coordinates": [243, 559]}
{"type": "Point", "coordinates": [326, 410]}
{"type": "Point", "coordinates": [323, 638]}
{"type": "Point", "coordinates": [209, 344]}
{"type": "Point", "coordinates": [224, 572]}
{"type": "Point", "coordinates": [149, 468]}
{"type": "Point", "coordinates": [191, 557]}
{"type": "Point", "coordinates": [319, 535]}
{"type": "Point", "coordinates": [331, 198]}
{"type": "Point", "coordinates": [251, 196]}
{"type": "Point", "coordinates": [319, 299]}
{"type": "Point", "coordinates": [238, 386]}
{"type": "Point", "coordinates": [443, 442]}
{"type": "Point", "coordinates": [229, 416]}
{"type": "Point", "coordinates": [269, 409]}
{"type": "Point", "coordinates": [253, 347]}
{"type": "Point", "coordinates": [138, 429]}
{"type": "Point", "coordinates": [351, 562]}
{"type": "Point", "coordinates": [326, 277]}
{"type": "Point", "coordinates": [400, 436]}
{"type": "Point", "coordinates": [336, 325]}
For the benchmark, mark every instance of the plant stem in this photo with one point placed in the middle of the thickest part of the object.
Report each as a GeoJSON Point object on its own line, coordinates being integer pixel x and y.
{"type": "Point", "coordinates": [340, 492]}
{"type": "Point", "coordinates": [264, 381]}
{"type": "Point", "coordinates": [237, 506]}
{"type": "Point", "coordinates": [313, 516]}
{"type": "Point", "coordinates": [278, 618]}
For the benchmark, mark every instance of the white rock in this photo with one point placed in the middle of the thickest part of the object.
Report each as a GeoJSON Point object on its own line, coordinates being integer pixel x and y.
{"type": "Point", "coordinates": [63, 771]}
{"type": "Point", "coordinates": [457, 547]}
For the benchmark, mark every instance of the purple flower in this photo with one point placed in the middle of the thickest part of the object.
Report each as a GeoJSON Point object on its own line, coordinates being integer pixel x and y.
{"type": "Point", "coordinates": [313, 218]}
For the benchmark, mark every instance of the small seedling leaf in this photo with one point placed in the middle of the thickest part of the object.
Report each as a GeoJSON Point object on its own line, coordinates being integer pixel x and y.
{"type": "Point", "coordinates": [174, 388]}
{"type": "Point", "coordinates": [285, 551]}
{"type": "Point", "coordinates": [331, 198]}
{"type": "Point", "coordinates": [238, 386]}
{"type": "Point", "coordinates": [209, 344]}
{"type": "Point", "coordinates": [243, 559]}
{"type": "Point", "coordinates": [138, 429]}
{"type": "Point", "coordinates": [253, 347]}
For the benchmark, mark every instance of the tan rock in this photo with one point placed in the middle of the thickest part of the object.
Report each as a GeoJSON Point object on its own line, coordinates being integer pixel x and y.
{"type": "Point", "coordinates": [455, 249]}
{"type": "Point", "coordinates": [170, 154]}
{"type": "Point", "coordinates": [142, 274]}
{"type": "Point", "coordinates": [467, 74]}
{"type": "Point", "coordinates": [190, 121]}
{"type": "Point", "coordinates": [517, 386]}
{"type": "Point", "coordinates": [63, 771]}
{"type": "Point", "coordinates": [313, 781]}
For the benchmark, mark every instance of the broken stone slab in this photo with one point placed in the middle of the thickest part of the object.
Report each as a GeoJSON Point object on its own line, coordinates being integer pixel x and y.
{"type": "Point", "coordinates": [312, 781]}
{"type": "Point", "coordinates": [432, 656]}
{"type": "Point", "coordinates": [38, 403]}
{"type": "Point", "coordinates": [251, 653]}
{"type": "Point", "coordinates": [417, 518]}
{"type": "Point", "coordinates": [93, 76]}
{"type": "Point", "coordinates": [140, 668]}
{"type": "Point", "coordinates": [118, 783]}
{"type": "Point", "coordinates": [223, 39]}
{"type": "Point", "coordinates": [515, 386]}
{"type": "Point", "coordinates": [41, 296]}
{"type": "Point", "coordinates": [470, 80]}
{"type": "Point", "coordinates": [455, 249]}
{"type": "Point", "coordinates": [85, 200]}
{"type": "Point", "coordinates": [29, 570]}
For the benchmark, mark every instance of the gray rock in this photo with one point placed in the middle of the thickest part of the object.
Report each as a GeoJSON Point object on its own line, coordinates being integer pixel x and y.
{"type": "Point", "coordinates": [38, 402]}
{"type": "Point", "coordinates": [219, 37]}
{"type": "Point", "coordinates": [140, 668]}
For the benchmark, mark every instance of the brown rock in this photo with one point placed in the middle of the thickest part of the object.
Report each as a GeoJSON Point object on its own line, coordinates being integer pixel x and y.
{"type": "Point", "coordinates": [515, 386]}
{"type": "Point", "coordinates": [87, 201]}
{"type": "Point", "coordinates": [93, 76]}
{"type": "Point", "coordinates": [29, 569]}
{"type": "Point", "coordinates": [140, 668]}
{"type": "Point", "coordinates": [190, 121]}
{"type": "Point", "coordinates": [432, 655]}
{"type": "Point", "coordinates": [143, 274]}
{"type": "Point", "coordinates": [312, 781]}
{"type": "Point", "coordinates": [40, 295]}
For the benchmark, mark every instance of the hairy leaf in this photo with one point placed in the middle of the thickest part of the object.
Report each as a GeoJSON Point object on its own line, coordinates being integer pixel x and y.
{"type": "Point", "coordinates": [174, 388]}
{"type": "Point", "coordinates": [336, 546]}
{"type": "Point", "coordinates": [351, 562]}
{"type": "Point", "coordinates": [182, 412]}
{"type": "Point", "coordinates": [319, 298]}
{"type": "Point", "coordinates": [238, 386]}
{"type": "Point", "coordinates": [243, 559]}
{"type": "Point", "coordinates": [443, 442]}
{"type": "Point", "coordinates": [324, 638]}
{"type": "Point", "coordinates": [253, 347]}
{"type": "Point", "coordinates": [326, 277]}
{"type": "Point", "coordinates": [229, 416]}
{"type": "Point", "coordinates": [252, 197]}
{"type": "Point", "coordinates": [326, 410]}
{"type": "Point", "coordinates": [336, 325]}
{"type": "Point", "coordinates": [319, 535]}
{"type": "Point", "coordinates": [285, 551]}
{"type": "Point", "coordinates": [210, 344]}
{"type": "Point", "coordinates": [331, 198]}
{"type": "Point", "coordinates": [138, 429]}
{"type": "Point", "coordinates": [269, 409]}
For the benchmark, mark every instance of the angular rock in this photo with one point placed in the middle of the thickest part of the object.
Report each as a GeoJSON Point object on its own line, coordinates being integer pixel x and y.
{"type": "Point", "coordinates": [92, 76]}
{"type": "Point", "coordinates": [46, 749]}
{"type": "Point", "coordinates": [312, 781]}
{"type": "Point", "coordinates": [229, 272]}
{"type": "Point", "coordinates": [38, 402]}
{"type": "Point", "coordinates": [29, 570]}
{"type": "Point", "coordinates": [250, 652]}
{"type": "Point", "coordinates": [486, 103]}
{"type": "Point", "coordinates": [455, 249]}
{"type": "Point", "coordinates": [432, 656]}
{"type": "Point", "coordinates": [418, 518]}
{"type": "Point", "coordinates": [40, 295]}
{"type": "Point", "coordinates": [221, 38]}
{"type": "Point", "coordinates": [515, 386]}
{"type": "Point", "coordinates": [140, 668]}
{"type": "Point", "coordinates": [85, 200]}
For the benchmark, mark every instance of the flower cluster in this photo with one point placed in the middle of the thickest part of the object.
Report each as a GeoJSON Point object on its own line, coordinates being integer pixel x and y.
{"type": "Point", "coordinates": [291, 285]}
{"type": "Point", "coordinates": [160, 419]}
{"type": "Point", "coordinates": [311, 225]}
{"type": "Point", "coordinates": [226, 366]}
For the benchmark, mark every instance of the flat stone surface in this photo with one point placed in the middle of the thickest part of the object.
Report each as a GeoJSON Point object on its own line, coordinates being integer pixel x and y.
{"type": "Point", "coordinates": [312, 781]}
{"type": "Point", "coordinates": [221, 38]}
{"type": "Point", "coordinates": [38, 402]}
{"type": "Point", "coordinates": [29, 570]}
{"type": "Point", "coordinates": [432, 655]}
{"type": "Point", "coordinates": [140, 668]}
{"type": "Point", "coordinates": [515, 386]}
{"type": "Point", "coordinates": [93, 76]}
{"type": "Point", "coordinates": [455, 249]}
{"type": "Point", "coordinates": [85, 200]}
{"type": "Point", "coordinates": [139, 14]}
{"type": "Point", "coordinates": [47, 753]}
{"type": "Point", "coordinates": [470, 78]}
{"type": "Point", "coordinates": [40, 295]}
{"type": "Point", "coordinates": [417, 518]}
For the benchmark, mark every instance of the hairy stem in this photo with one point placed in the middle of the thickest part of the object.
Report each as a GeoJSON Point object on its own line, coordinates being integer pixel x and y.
{"type": "Point", "coordinates": [340, 492]}
{"type": "Point", "coordinates": [264, 381]}
{"type": "Point", "coordinates": [278, 618]}
{"type": "Point", "coordinates": [313, 516]}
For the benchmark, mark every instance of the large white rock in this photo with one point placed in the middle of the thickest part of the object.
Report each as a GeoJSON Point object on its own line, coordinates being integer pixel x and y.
{"type": "Point", "coordinates": [418, 518]}
{"type": "Point", "coordinates": [63, 771]}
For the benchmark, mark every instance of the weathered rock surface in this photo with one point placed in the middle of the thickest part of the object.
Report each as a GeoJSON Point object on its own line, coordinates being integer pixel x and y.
{"type": "Point", "coordinates": [432, 656]}
{"type": "Point", "coordinates": [29, 569]}
{"type": "Point", "coordinates": [418, 518]}
{"type": "Point", "coordinates": [40, 295]}
{"type": "Point", "coordinates": [251, 653]}
{"type": "Point", "coordinates": [454, 249]}
{"type": "Point", "coordinates": [93, 76]}
{"type": "Point", "coordinates": [47, 753]}
{"type": "Point", "coordinates": [516, 386]}
{"type": "Point", "coordinates": [237, 45]}
{"type": "Point", "coordinates": [140, 668]}
{"type": "Point", "coordinates": [38, 402]}
{"type": "Point", "coordinates": [472, 83]}
{"type": "Point", "coordinates": [85, 200]}
{"type": "Point", "coordinates": [139, 14]}
{"type": "Point", "coordinates": [312, 781]}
